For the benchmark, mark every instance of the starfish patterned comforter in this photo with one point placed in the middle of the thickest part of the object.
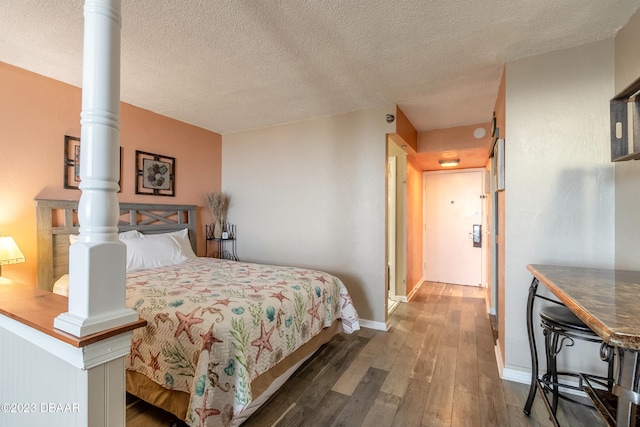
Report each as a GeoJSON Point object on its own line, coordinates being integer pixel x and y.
{"type": "Point", "coordinates": [215, 325]}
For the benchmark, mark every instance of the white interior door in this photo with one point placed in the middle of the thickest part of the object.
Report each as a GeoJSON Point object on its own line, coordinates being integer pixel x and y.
{"type": "Point", "coordinates": [452, 207]}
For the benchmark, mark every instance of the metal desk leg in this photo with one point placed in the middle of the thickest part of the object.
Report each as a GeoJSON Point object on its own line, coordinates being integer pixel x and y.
{"type": "Point", "coordinates": [533, 288]}
{"type": "Point", "coordinates": [627, 388]}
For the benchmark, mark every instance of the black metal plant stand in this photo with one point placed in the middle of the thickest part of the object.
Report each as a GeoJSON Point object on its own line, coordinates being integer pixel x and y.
{"type": "Point", "coordinates": [223, 247]}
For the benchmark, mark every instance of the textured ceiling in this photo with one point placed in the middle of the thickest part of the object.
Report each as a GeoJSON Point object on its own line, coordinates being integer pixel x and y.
{"type": "Point", "coordinates": [231, 65]}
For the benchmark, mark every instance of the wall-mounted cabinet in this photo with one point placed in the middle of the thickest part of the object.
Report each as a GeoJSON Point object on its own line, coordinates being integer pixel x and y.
{"type": "Point", "coordinates": [625, 124]}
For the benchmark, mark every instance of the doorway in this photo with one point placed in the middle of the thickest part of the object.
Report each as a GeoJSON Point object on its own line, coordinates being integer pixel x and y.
{"type": "Point", "coordinates": [454, 219]}
{"type": "Point", "coordinates": [391, 231]}
{"type": "Point", "coordinates": [396, 224]}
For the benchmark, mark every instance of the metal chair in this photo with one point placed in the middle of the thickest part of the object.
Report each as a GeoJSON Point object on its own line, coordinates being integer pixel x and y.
{"type": "Point", "coordinates": [561, 327]}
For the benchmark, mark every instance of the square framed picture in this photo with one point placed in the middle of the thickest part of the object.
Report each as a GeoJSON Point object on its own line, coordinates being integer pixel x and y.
{"type": "Point", "coordinates": [72, 163]}
{"type": "Point", "coordinates": [155, 174]}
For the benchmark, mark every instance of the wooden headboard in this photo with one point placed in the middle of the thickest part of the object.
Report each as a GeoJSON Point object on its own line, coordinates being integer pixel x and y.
{"type": "Point", "coordinates": [57, 219]}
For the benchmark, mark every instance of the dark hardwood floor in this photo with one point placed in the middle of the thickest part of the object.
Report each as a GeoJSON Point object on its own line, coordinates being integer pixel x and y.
{"type": "Point", "coordinates": [436, 366]}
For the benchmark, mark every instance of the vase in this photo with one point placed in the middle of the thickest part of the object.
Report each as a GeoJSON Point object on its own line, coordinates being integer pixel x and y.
{"type": "Point", "coordinates": [217, 229]}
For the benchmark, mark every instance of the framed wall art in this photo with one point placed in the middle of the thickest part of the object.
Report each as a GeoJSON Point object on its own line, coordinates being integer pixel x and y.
{"type": "Point", "coordinates": [155, 174]}
{"type": "Point", "coordinates": [72, 162]}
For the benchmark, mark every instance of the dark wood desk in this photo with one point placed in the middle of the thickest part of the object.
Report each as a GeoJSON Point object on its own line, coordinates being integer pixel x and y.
{"type": "Point", "coordinates": [608, 301]}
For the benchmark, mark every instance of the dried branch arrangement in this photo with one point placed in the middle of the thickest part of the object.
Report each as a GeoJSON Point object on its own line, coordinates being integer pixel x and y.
{"type": "Point", "coordinates": [218, 203]}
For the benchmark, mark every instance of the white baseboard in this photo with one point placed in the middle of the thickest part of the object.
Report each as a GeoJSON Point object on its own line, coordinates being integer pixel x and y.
{"type": "Point", "coordinates": [524, 376]}
{"type": "Point", "coordinates": [510, 374]}
{"type": "Point", "coordinates": [516, 375]}
{"type": "Point", "coordinates": [370, 324]}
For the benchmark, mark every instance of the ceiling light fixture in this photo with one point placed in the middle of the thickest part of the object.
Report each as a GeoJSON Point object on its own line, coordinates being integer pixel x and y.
{"type": "Point", "coordinates": [449, 163]}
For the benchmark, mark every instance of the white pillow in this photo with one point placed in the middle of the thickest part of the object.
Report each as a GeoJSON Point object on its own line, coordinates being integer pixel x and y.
{"type": "Point", "coordinates": [152, 251]}
{"type": "Point", "coordinates": [182, 237]}
{"type": "Point", "coordinates": [131, 234]}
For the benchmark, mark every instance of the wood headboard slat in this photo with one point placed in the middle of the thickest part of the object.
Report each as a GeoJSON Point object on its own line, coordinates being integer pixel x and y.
{"type": "Point", "coordinates": [53, 238]}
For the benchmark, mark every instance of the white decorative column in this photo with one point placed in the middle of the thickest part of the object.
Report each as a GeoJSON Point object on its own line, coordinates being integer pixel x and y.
{"type": "Point", "coordinates": [85, 375]}
{"type": "Point", "coordinates": [97, 261]}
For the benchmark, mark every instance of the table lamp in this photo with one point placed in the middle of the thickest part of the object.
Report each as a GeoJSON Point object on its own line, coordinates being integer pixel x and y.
{"type": "Point", "coordinates": [9, 254]}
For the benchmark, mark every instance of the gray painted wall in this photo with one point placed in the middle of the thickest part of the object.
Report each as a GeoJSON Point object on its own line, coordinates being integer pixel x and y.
{"type": "Point", "coordinates": [627, 174]}
{"type": "Point", "coordinates": [559, 178]}
{"type": "Point", "coordinates": [312, 194]}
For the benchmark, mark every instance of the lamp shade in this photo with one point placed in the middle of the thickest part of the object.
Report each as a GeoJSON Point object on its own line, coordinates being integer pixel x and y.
{"type": "Point", "coordinates": [9, 251]}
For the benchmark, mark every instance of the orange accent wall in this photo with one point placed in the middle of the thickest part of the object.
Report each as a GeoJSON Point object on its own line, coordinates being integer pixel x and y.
{"type": "Point", "coordinates": [35, 114]}
{"type": "Point", "coordinates": [414, 224]}
{"type": "Point", "coordinates": [406, 131]}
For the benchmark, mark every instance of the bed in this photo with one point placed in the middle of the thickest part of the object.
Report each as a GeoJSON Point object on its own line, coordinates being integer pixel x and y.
{"type": "Point", "coordinates": [222, 336]}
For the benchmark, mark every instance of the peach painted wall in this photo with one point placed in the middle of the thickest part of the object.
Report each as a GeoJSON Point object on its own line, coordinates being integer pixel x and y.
{"type": "Point", "coordinates": [456, 138]}
{"type": "Point", "coordinates": [35, 114]}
